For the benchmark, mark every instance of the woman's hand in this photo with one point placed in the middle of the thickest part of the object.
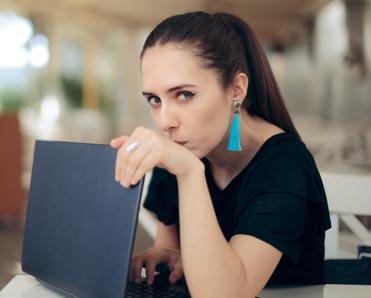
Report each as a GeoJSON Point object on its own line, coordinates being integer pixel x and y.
{"type": "Point", "coordinates": [146, 149]}
{"type": "Point", "coordinates": [151, 258]}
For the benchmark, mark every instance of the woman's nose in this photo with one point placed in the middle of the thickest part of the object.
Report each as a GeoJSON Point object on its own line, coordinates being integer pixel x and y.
{"type": "Point", "coordinates": [168, 120]}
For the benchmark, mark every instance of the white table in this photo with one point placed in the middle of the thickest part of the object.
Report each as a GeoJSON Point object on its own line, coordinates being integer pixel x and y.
{"type": "Point", "coordinates": [25, 286]}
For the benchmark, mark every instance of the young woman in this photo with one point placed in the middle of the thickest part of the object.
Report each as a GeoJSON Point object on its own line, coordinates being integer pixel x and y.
{"type": "Point", "coordinates": [238, 197]}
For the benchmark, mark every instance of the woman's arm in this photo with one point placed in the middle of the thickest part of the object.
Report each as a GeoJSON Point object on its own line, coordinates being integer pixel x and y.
{"type": "Point", "coordinates": [214, 267]}
{"type": "Point", "coordinates": [167, 236]}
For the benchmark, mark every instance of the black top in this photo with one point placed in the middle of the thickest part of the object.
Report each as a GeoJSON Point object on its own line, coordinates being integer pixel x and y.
{"type": "Point", "coordinates": [278, 197]}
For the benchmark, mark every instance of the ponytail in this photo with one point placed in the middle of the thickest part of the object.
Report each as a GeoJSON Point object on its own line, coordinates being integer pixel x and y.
{"type": "Point", "coordinates": [264, 98]}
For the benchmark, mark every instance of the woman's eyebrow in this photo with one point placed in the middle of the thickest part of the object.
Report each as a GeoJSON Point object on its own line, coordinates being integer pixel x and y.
{"type": "Point", "coordinates": [172, 89]}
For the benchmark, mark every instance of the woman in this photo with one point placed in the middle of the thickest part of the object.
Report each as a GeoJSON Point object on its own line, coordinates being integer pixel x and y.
{"type": "Point", "coordinates": [238, 196]}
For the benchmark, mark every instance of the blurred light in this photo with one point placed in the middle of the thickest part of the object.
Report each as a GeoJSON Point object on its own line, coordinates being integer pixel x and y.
{"type": "Point", "coordinates": [50, 110]}
{"type": "Point", "coordinates": [15, 31]}
{"type": "Point", "coordinates": [39, 52]}
{"type": "Point", "coordinates": [13, 58]}
{"type": "Point", "coordinates": [333, 34]}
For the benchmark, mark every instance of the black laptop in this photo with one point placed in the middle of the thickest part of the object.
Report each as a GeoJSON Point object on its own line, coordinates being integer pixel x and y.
{"type": "Point", "coordinates": [81, 223]}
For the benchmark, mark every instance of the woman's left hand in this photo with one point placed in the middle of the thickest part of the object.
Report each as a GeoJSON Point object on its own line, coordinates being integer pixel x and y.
{"type": "Point", "coordinates": [148, 150]}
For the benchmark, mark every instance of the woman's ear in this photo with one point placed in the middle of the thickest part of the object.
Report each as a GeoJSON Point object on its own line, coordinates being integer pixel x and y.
{"type": "Point", "coordinates": [239, 86]}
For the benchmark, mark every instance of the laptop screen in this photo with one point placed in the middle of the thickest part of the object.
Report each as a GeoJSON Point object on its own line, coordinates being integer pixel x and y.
{"type": "Point", "coordinates": [80, 222]}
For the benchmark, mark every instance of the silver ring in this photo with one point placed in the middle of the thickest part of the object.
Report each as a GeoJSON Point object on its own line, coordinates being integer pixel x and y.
{"type": "Point", "coordinates": [131, 147]}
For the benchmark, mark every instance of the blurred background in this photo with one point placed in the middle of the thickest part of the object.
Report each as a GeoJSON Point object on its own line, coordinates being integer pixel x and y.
{"type": "Point", "coordinates": [69, 70]}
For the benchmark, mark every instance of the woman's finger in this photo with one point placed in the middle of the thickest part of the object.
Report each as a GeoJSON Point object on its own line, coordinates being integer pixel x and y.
{"type": "Point", "coordinates": [147, 164]}
{"type": "Point", "coordinates": [117, 142]}
{"type": "Point", "coordinates": [137, 270]}
{"type": "Point", "coordinates": [150, 271]}
{"type": "Point", "coordinates": [117, 167]}
{"type": "Point", "coordinates": [121, 160]}
{"type": "Point", "coordinates": [176, 273]}
{"type": "Point", "coordinates": [124, 153]}
{"type": "Point", "coordinates": [134, 161]}
{"type": "Point", "coordinates": [132, 268]}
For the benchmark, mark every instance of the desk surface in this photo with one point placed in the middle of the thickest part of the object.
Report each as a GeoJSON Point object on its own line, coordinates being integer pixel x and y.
{"type": "Point", "coordinates": [26, 286]}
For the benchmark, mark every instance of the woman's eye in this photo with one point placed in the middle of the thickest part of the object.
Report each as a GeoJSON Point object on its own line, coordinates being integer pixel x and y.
{"type": "Point", "coordinates": [154, 100]}
{"type": "Point", "coordinates": [184, 95]}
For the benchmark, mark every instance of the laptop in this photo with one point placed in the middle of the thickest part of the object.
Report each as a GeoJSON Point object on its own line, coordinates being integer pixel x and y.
{"type": "Point", "coordinates": [80, 224]}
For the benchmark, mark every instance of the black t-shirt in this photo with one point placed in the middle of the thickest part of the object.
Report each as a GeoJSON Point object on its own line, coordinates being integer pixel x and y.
{"type": "Point", "coordinates": [278, 197]}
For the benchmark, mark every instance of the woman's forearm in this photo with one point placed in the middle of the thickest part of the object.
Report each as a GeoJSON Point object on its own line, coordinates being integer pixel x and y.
{"type": "Point", "coordinates": [211, 267]}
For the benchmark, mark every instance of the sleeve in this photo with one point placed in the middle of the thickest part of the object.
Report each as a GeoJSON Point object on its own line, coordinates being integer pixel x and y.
{"type": "Point", "coordinates": [273, 204]}
{"type": "Point", "coordinates": [162, 196]}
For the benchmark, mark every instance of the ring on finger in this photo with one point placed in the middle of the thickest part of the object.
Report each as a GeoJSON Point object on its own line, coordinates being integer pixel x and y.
{"type": "Point", "coordinates": [131, 146]}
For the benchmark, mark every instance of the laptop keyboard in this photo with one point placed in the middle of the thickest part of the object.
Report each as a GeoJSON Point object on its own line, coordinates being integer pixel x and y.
{"type": "Point", "coordinates": [158, 289]}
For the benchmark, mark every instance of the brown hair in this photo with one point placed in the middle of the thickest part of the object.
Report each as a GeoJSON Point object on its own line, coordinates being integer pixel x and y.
{"type": "Point", "coordinates": [227, 44]}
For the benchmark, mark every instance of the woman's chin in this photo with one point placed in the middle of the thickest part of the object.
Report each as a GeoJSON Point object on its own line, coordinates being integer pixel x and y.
{"type": "Point", "coordinates": [195, 152]}
{"type": "Point", "coordinates": [198, 154]}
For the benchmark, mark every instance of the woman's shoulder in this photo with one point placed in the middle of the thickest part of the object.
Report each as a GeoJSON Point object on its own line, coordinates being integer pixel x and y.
{"type": "Point", "coordinates": [283, 164]}
{"type": "Point", "coordinates": [285, 148]}
{"type": "Point", "coordinates": [285, 143]}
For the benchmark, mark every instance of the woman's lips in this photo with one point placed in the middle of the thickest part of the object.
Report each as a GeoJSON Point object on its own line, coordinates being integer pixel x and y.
{"type": "Point", "coordinates": [181, 142]}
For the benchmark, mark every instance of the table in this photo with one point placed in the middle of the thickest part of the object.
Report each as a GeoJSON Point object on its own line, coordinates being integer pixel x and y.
{"type": "Point", "coordinates": [26, 286]}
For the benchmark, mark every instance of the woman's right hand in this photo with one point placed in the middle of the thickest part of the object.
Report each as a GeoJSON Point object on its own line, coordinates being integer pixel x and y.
{"type": "Point", "coordinates": [151, 258]}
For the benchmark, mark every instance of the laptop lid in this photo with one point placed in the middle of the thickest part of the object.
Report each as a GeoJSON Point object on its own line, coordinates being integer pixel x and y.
{"type": "Point", "coordinates": [80, 222]}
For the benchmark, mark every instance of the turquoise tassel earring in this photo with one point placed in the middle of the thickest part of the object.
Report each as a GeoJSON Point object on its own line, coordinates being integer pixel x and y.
{"type": "Point", "coordinates": [234, 136]}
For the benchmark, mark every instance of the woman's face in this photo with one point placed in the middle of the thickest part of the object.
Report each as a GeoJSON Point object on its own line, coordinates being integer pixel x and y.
{"type": "Point", "coordinates": [187, 101]}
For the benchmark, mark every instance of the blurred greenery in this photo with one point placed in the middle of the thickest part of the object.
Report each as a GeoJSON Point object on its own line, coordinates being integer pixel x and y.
{"type": "Point", "coordinates": [73, 92]}
{"type": "Point", "coordinates": [11, 101]}
{"type": "Point", "coordinates": [72, 89]}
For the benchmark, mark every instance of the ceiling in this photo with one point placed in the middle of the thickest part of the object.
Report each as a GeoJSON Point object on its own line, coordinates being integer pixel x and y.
{"type": "Point", "coordinates": [273, 20]}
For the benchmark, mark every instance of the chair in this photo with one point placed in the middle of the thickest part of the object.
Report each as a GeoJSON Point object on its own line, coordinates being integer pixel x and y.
{"type": "Point", "coordinates": [348, 196]}
{"type": "Point", "coordinates": [11, 193]}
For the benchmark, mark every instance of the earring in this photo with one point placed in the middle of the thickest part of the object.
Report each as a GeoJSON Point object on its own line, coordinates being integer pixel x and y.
{"type": "Point", "coordinates": [234, 136]}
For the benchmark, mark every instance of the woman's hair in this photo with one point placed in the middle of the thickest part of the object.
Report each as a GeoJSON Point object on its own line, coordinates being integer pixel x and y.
{"type": "Point", "coordinates": [227, 44]}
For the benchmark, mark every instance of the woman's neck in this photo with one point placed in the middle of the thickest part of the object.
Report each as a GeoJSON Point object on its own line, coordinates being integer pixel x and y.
{"type": "Point", "coordinates": [254, 131]}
